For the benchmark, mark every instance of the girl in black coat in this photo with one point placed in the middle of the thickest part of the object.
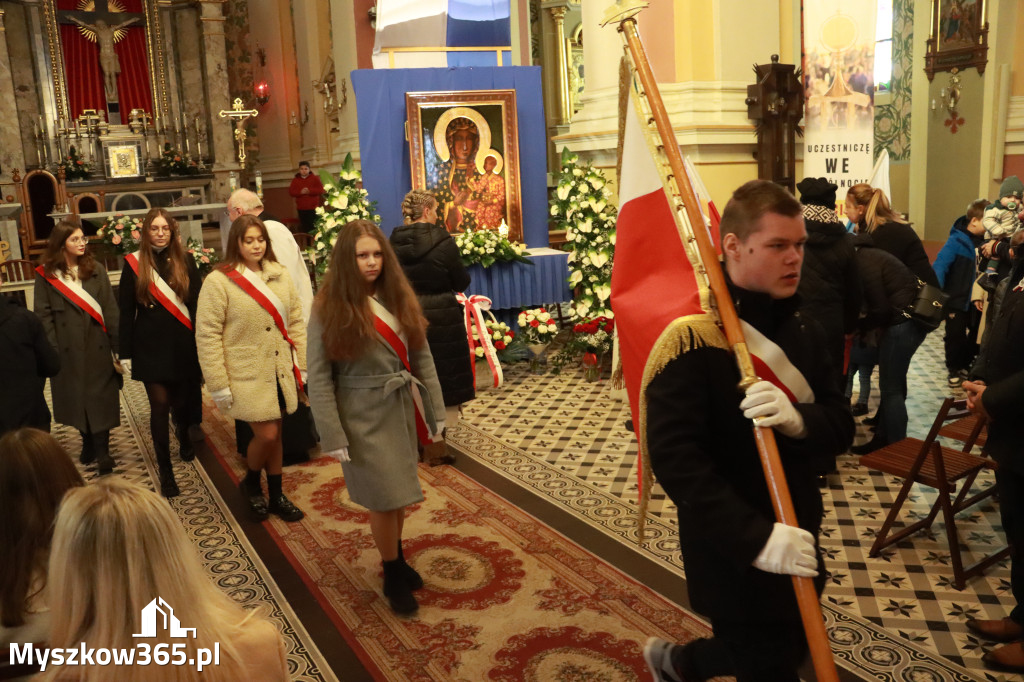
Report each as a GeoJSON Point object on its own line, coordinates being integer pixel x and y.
{"type": "Point", "coordinates": [159, 291]}
{"type": "Point", "coordinates": [431, 261]}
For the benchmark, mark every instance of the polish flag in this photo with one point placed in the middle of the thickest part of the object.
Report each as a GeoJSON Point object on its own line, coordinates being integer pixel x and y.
{"type": "Point", "coordinates": [653, 278]}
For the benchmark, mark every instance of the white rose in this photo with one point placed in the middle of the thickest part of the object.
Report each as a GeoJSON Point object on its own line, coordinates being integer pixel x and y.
{"type": "Point", "coordinates": [507, 339]}
{"type": "Point", "coordinates": [586, 260]}
{"type": "Point", "coordinates": [554, 209]}
{"type": "Point", "coordinates": [552, 328]}
{"type": "Point", "coordinates": [578, 172]}
{"type": "Point", "coordinates": [496, 336]}
{"type": "Point", "coordinates": [333, 240]}
{"type": "Point", "coordinates": [320, 245]}
{"type": "Point", "coordinates": [544, 317]}
{"type": "Point", "coordinates": [479, 351]}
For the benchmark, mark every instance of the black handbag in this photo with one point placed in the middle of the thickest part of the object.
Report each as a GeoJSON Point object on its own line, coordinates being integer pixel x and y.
{"type": "Point", "coordinates": [928, 305]}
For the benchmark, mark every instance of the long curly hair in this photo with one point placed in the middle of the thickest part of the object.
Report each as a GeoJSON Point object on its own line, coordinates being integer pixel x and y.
{"type": "Point", "coordinates": [53, 257]}
{"type": "Point", "coordinates": [343, 301]}
{"type": "Point", "coordinates": [178, 279]}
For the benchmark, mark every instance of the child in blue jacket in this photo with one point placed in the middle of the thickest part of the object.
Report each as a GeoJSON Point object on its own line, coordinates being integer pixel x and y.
{"type": "Point", "coordinates": [956, 267]}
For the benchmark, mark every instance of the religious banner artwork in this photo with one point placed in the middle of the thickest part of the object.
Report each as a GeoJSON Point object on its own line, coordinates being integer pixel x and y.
{"type": "Point", "coordinates": [105, 51]}
{"type": "Point", "coordinates": [123, 159]}
{"type": "Point", "coordinates": [464, 147]}
{"type": "Point", "coordinates": [958, 37]}
{"type": "Point", "coordinates": [838, 66]}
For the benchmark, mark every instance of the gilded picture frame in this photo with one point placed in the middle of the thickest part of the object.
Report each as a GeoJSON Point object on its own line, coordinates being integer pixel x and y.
{"type": "Point", "coordinates": [123, 159]}
{"type": "Point", "coordinates": [958, 38]}
{"type": "Point", "coordinates": [464, 147]}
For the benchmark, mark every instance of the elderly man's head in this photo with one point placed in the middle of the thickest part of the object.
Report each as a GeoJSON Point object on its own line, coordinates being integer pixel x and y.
{"type": "Point", "coordinates": [242, 202]}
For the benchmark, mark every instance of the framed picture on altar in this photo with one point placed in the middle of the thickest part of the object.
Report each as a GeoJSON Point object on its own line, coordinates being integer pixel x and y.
{"type": "Point", "coordinates": [123, 159]}
{"type": "Point", "coordinates": [958, 38]}
{"type": "Point", "coordinates": [464, 147]}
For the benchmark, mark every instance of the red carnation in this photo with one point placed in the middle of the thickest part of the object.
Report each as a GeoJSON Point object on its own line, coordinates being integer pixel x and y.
{"type": "Point", "coordinates": [534, 323]}
{"type": "Point", "coordinates": [500, 345]}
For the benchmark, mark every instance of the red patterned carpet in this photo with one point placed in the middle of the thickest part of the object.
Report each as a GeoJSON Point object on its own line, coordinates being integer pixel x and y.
{"type": "Point", "coordinates": [505, 597]}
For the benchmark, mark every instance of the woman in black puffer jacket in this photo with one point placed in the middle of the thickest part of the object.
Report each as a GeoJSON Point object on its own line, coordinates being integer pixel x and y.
{"type": "Point", "coordinates": [431, 261]}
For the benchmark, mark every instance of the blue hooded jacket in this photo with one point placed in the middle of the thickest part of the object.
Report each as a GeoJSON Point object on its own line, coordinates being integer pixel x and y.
{"type": "Point", "coordinates": [956, 265]}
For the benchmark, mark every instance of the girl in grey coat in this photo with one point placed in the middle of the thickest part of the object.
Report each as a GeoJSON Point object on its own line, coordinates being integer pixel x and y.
{"type": "Point", "coordinates": [374, 390]}
{"type": "Point", "coordinates": [74, 300]}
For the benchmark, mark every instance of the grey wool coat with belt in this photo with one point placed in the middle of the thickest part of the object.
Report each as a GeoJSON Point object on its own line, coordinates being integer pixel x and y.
{"type": "Point", "coordinates": [85, 391]}
{"type": "Point", "coordinates": [241, 348]}
{"type": "Point", "coordinates": [366, 405]}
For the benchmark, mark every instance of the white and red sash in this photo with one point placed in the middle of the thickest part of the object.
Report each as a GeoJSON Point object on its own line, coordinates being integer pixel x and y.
{"type": "Point", "coordinates": [473, 306]}
{"type": "Point", "coordinates": [771, 364]}
{"type": "Point", "coordinates": [389, 328]}
{"type": "Point", "coordinates": [162, 292]}
{"type": "Point", "coordinates": [252, 284]}
{"type": "Point", "coordinates": [73, 290]}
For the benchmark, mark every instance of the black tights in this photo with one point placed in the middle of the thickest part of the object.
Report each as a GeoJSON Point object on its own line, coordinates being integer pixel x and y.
{"type": "Point", "coordinates": [163, 399]}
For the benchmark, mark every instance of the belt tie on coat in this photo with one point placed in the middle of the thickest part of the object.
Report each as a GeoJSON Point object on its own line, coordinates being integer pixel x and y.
{"type": "Point", "coordinates": [394, 382]}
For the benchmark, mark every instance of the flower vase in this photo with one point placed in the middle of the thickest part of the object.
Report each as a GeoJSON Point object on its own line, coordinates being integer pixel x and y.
{"type": "Point", "coordinates": [537, 364]}
{"type": "Point", "coordinates": [591, 367]}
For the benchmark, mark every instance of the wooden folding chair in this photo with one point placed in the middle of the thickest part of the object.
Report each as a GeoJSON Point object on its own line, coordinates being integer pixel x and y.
{"type": "Point", "coordinates": [929, 463]}
{"type": "Point", "coordinates": [971, 430]}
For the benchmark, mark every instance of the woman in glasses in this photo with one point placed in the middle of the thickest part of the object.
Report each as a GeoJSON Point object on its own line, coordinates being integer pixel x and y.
{"type": "Point", "coordinates": [159, 290]}
{"type": "Point", "coordinates": [74, 300]}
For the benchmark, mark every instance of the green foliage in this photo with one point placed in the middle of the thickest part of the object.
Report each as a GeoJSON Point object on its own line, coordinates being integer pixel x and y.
{"type": "Point", "coordinates": [344, 201]}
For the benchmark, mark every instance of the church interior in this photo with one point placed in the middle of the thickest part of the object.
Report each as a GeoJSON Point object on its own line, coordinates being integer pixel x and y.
{"type": "Point", "coordinates": [528, 540]}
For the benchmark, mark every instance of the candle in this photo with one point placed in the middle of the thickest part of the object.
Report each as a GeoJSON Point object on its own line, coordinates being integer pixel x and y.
{"type": "Point", "coordinates": [259, 184]}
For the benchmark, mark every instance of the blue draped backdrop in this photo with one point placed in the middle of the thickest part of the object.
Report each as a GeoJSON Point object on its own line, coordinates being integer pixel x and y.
{"type": "Point", "coordinates": [380, 105]}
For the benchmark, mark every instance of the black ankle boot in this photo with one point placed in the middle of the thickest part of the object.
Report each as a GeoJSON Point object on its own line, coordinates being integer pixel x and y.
{"type": "Point", "coordinates": [168, 486]}
{"type": "Point", "coordinates": [186, 450]}
{"type": "Point", "coordinates": [412, 578]}
{"type": "Point", "coordinates": [88, 454]}
{"type": "Point", "coordinates": [101, 446]}
{"type": "Point", "coordinates": [396, 589]}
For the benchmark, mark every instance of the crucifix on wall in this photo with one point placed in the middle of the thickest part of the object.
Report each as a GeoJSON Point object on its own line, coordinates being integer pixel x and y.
{"type": "Point", "coordinates": [104, 22]}
{"type": "Point", "coordinates": [240, 116]}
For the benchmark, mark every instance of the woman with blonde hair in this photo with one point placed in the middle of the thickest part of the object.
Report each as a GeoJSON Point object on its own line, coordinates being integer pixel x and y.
{"type": "Point", "coordinates": [431, 262]}
{"type": "Point", "coordinates": [879, 226]}
{"type": "Point", "coordinates": [35, 473]}
{"type": "Point", "coordinates": [119, 553]}
{"type": "Point", "coordinates": [75, 302]}
{"type": "Point", "coordinates": [252, 348]}
{"type": "Point", "coordinates": [374, 390]}
{"type": "Point", "coordinates": [159, 290]}
{"type": "Point", "coordinates": [868, 208]}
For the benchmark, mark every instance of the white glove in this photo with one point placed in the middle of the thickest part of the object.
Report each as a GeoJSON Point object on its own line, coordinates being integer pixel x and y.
{"type": "Point", "coordinates": [304, 375]}
{"type": "Point", "coordinates": [789, 551]}
{"type": "Point", "coordinates": [223, 399]}
{"type": "Point", "coordinates": [439, 434]}
{"type": "Point", "coordinates": [768, 406]}
{"type": "Point", "coordinates": [126, 365]}
{"type": "Point", "coordinates": [341, 454]}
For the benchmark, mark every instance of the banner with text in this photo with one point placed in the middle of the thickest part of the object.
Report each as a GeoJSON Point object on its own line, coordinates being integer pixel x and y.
{"type": "Point", "coordinates": [839, 39]}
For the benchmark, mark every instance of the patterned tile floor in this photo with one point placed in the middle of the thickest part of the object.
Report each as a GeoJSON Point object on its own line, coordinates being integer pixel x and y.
{"type": "Point", "coordinates": [894, 617]}
{"type": "Point", "coordinates": [222, 546]}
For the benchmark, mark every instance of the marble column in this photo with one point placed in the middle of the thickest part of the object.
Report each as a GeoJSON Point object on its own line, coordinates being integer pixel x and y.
{"type": "Point", "coordinates": [564, 114]}
{"type": "Point", "coordinates": [222, 141]}
{"type": "Point", "coordinates": [12, 155]}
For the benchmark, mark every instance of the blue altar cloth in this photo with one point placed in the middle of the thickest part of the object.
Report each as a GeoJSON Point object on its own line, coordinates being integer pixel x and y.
{"type": "Point", "coordinates": [518, 285]}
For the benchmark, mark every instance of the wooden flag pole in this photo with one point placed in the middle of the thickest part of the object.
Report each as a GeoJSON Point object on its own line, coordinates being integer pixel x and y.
{"type": "Point", "coordinates": [685, 198]}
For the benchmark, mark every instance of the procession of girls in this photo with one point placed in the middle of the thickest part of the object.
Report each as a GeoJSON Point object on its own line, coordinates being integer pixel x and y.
{"type": "Point", "coordinates": [373, 387]}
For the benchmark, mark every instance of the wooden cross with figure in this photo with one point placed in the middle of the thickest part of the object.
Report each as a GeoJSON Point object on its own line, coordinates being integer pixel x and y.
{"type": "Point", "coordinates": [240, 116]}
{"type": "Point", "coordinates": [104, 22]}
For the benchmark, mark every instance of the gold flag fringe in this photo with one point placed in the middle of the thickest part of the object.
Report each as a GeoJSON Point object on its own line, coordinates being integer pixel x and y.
{"type": "Point", "coordinates": [682, 335]}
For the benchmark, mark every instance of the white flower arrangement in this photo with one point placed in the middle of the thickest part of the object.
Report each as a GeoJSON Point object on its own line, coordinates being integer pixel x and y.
{"type": "Point", "coordinates": [536, 326]}
{"type": "Point", "coordinates": [582, 207]}
{"type": "Point", "coordinates": [344, 201]}
{"type": "Point", "coordinates": [487, 248]}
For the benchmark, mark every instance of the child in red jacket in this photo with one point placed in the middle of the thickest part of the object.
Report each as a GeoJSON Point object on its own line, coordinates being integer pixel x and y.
{"type": "Point", "coordinates": [307, 190]}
